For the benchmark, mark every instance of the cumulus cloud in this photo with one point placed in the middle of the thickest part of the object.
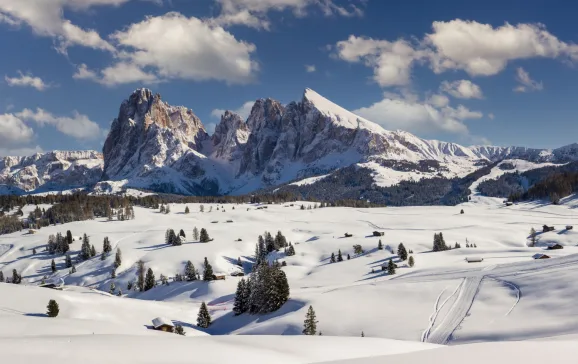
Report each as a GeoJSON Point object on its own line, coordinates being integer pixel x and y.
{"type": "Point", "coordinates": [310, 68]}
{"type": "Point", "coordinates": [462, 89]}
{"type": "Point", "coordinates": [27, 80]}
{"type": "Point", "coordinates": [13, 130]}
{"type": "Point", "coordinates": [184, 48]}
{"type": "Point", "coordinates": [243, 111]}
{"type": "Point", "coordinates": [254, 13]}
{"type": "Point", "coordinates": [526, 83]}
{"type": "Point", "coordinates": [476, 48]}
{"type": "Point", "coordinates": [432, 115]}
{"type": "Point", "coordinates": [78, 126]}
{"type": "Point", "coordinates": [20, 151]}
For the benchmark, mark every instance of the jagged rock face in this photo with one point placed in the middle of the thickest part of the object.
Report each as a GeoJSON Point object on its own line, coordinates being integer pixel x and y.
{"type": "Point", "coordinates": [149, 137]}
{"type": "Point", "coordinates": [230, 137]}
{"type": "Point", "coordinates": [53, 170]}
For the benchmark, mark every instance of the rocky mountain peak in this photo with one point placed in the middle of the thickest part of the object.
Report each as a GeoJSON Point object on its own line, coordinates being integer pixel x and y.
{"type": "Point", "coordinates": [230, 136]}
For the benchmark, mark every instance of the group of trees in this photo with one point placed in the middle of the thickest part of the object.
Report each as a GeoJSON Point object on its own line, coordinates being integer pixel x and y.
{"type": "Point", "coordinates": [172, 238]}
{"type": "Point", "coordinates": [439, 244]}
{"type": "Point", "coordinates": [267, 243]}
{"type": "Point", "coordinates": [338, 258]}
{"type": "Point", "coordinates": [58, 243]}
{"type": "Point", "coordinates": [15, 279]}
{"type": "Point", "coordinates": [266, 290]}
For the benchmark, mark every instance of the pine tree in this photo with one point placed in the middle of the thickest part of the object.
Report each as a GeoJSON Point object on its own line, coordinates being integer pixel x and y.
{"type": "Point", "coordinates": [310, 324]}
{"type": "Point", "coordinates": [238, 307]}
{"type": "Point", "coordinates": [208, 274]}
{"type": "Point", "coordinates": [68, 237]}
{"type": "Point", "coordinates": [118, 258]}
{"type": "Point", "coordinates": [391, 267]}
{"type": "Point", "coordinates": [533, 237]}
{"type": "Point", "coordinates": [53, 309]}
{"type": "Point", "coordinates": [380, 245]}
{"type": "Point", "coordinates": [112, 288]}
{"type": "Point", "coordinates": [269, 242]}
{"type": "Point", "coordinates": [106, 247]}
{"type": "Point", "coordinates": [187, 210]}
{"type": "Point", "coordinates": [113, 273]}
{"type": "Point", "coordinates": [402, 252]}
{"type": "Point", "coordinates": [34, 251]}
{"type": "Point", "coordinates": [339, 256]}
{"type": "Point", "coordinates": [204, 318]}
{"type": "Point", "coordinates": [167, 233]}
{"type": "Point", "coordinates": [190, 272]}
{"type": "Point", "coordinates": [68, 261]}
{"type": "Point", "coordinates": [195, 234]}
{"type": "Point", "coordinates": [140, 273]}
{"type": "Point", "coordinates": [182, 233]}
{"type": "Point", "coordinates": [84, 249]}
{"type": "Point", "coordinates": [1, 277]}
{"type": "Point", "coordinates": [178, 328]}
{"type": "Point", "coordinates": [119, 292]}
{"type": "Point", "coordinates": [332, 259]}
{"type": "Point", "coordinates": [280, 241]}
{"type": "Point", "coordinates": [73, 269]}
{"type": "Point", "coordinates": [53, 266]}
{"type": "Point", "coordinates": [348, 257]}
{"type": "Point", "coordinates": [204, 236]}
{"type": "Point", "coordinates": [202, 208]}
{"type": "Point", "coordinates": [362, 334]}
{"type": "Point", "coordinates": [150, 280]}
{"type": "Point", "coordinates": [239, 262]}
{"type": "Point", "coordinates": [411, 262]}
{"type": "Point", "coordinates": [92, 251]}
{"type": "Point", "coordinates": [164, 280]}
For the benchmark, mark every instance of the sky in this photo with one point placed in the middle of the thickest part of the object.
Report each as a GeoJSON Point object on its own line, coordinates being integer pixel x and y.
{"type": "Point", "coordinates": [493, 72]}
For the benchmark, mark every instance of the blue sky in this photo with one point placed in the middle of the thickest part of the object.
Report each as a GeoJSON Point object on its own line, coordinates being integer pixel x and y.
{"type": "Point", "coordinates": [493, 72]}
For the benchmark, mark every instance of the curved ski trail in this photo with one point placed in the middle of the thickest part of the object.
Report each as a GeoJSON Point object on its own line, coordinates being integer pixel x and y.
{"type": "Point", "coordinates": [437, 309]}
{"type": "Point", "coordinates": [458, 312]}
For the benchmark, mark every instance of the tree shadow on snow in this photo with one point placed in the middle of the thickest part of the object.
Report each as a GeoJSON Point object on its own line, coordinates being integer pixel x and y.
{"type": "Point", "coordinates": [36, 315]}
{"type": "Point", "coordinates": [230, 323]}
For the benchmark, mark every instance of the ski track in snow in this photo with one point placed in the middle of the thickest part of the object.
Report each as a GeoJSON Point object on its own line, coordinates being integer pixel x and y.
{"type": "Point", "coordinates": [515, 288]}
{"type": "Point", "coordinates": [458, 311]}
{"type": "Point", "coordinates": [437, 310]}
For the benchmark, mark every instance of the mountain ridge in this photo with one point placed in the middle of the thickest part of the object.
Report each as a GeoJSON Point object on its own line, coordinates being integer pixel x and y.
{"type": "Point", "coordinates": [153, 145]}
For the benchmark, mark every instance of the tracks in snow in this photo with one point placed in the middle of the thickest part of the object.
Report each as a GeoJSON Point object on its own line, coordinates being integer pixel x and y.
{"type": "Point", "coordinates": [458, 312]}
{"type": "Point", "coordinates": [437, 309]}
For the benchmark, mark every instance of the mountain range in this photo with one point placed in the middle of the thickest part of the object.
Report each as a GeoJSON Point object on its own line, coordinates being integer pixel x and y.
{"type": "Point", "coordinates": [155, 146]}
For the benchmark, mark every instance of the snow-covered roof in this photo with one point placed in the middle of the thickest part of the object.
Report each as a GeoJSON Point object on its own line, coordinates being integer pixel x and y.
{"type": "Point", "coordinates": [474, 259]}
{"type": "Point", "coordinates": [162, 321]}
{"type": "Point", "coordinates": [539, 255]}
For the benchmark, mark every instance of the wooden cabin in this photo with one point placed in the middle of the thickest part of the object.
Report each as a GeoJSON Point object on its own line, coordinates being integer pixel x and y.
{"type": "Point", "coordinates": [540, 256]}
{"type": "Point", "coordinates": [219, 276]}
{"type": "Point", "coordinates": [378, 233]}
{"type": "Point", "coordinates": [547, 228]}
{"type": "Point", "coordinates": [569, 227]}
{"type": "Point", "coordinates": [555, 246]}
{"type": "Point", "coordinates": [474, 259]}
{"type": "Point", "coordinates": [347, 235]}
{"type": "Point", "coordinates": [229, 220]}
{"type": "Point", "coordinates": [32, 231]}
{"type": "Point", "coordinates": [163, 324]}
{"type": "Point", "coordinates": [509, 203]}
{"type": "Point", "coordinates": [237, 274]}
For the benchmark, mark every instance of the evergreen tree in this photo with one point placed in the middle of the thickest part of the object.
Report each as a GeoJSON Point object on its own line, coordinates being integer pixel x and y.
{"type": "Point", "coordinates": [439, 243]}
{"type": "Point", "coordinates": [84, 249]}
{"type": "Point", "coordinates": [178, 328]}
{"type": "Point", "coordinates": [202, 208]}
{"type": "Point", "coordinates": [380, 245]}
{"type": "Point", "coordinates": [113, 273]}
{"type": "Point", "coordinates": [357, 249]}
{"type": "Point", "coordinates": [16, 278]}
{"type": "Point", "coordinates": [106, 247]}
{"type": "Point", "coordinates": [68, 261]}
{"type": "Point", "coordinates": [182, 233]}
{"type": "Point", "coordinates": [362, 334]}
{"type": "Point", "coordinates": [190, 272]}
{"type": "Point", "coordinates": [73, 269]}
{"type": "Point", "coordinates": [68, 237]}
{"type": "Point", "coordinates": [150, 280]}
{"type": "Point", "coordinates": [402, 252]}
{"type": "Point", "coordinates": [290, 250]}
{"type": "Point", "coordinates": [348, 257]}
{"type": "Point", "coordinates": [533, 237]}
{"type": "Point", "coordinates": [310, 324]}
{"type": "Point", "coordinates": [339, 256]}
{"type": "Point", "coordinates": [238, 307]}
{"type": "Point", "coordinates": [411, 262]}
{"type": "Point", "coordinates": [53, 266]}
{"type": "Point", "coordinates": [119, 292]}
{"type": "Point", "coordinates": [112, 288]}
{"type": "Point", "coordinates": [195, 234]}
{"type": "Point", "coordinates": [204, 236]}
{"type": "Point", "coordinates": [118, 258]}
{"type": "Point", "coordinates": [269, 242]}
{"type": "Point", "coordinates": [208, 274]}
{"type": "Point", "coordinates": [239, 262]}
{"type": "Point", "coordinates": [92, 251]}
{"type": "Point", "coordinates": [1, 277]}
{"type": "Point", "coordinates": [280, 241]}
{"type": "Point", "coordinates": [332, 259]}
{"type": "Point", "coordinates": [204, 318]}
{"type": "Point", "coordinates": [140, 274]}
{"type": "Point", "coordinates": [391, 267]}
{"type": "Point", "coordinates": [187, 210]}
{"type": "Point", "coordinates": [164, 280]}
{"type": "Point", "coordinates": [34, 251]}
{"type": "Point", "coordinates": [53, 309]}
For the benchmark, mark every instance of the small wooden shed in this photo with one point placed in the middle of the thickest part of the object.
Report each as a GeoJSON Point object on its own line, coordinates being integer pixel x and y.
{"type": "Point", "coordinates": [569, 227]}
{"type": "Point", "coordinates": [378, 233]}
{"type": "Point", "coordinates": [555, 246]}
{"type": "Point", "coordinates": [220, 276]}
{"type": "Point", "coordinates": [163, 324]}
{"type": "Point", "coordinates": [474, 259]}
{"type": "Point", "coordinates": [540, 256]}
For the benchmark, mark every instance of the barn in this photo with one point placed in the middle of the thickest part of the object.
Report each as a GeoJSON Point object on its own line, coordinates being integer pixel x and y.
{"type": "Point", "coordinates": [474, 259]}
{"type": "Point", "coordinates": [540, 256]}
{"type": "Point", "coordinates": [555, 246]}
{"type": "Point", "coordinates": [163, 324]}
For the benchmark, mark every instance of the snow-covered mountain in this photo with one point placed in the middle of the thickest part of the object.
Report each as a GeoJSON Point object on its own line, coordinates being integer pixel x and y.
{"type": "Point", "coordinates": [157, 146]}
{"type": "Point", "coordinates": [50, 171]}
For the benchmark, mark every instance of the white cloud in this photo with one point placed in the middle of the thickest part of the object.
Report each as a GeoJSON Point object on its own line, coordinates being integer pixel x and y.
{"type": "Point", "coordinates": [462, 89]}
{"type": "Point", "coordinates": [438, 100]}
{"type": "Point", "coordinates": [253, 13]}
{"type": "Point", "coordinates": [433, 115]}
{"type": "Point", "coordinates": [527, 84]}
{"type": "Point", "coordinates": [27, 80]}
{"type": "Point", "coordinates": [78, 126]}
{"type": "Point", "coordinates": [183, 48]}
{"type": "Point", "coordinates": [391, 61]}
{"type": "Point", "coordinates": [13, 130]}
{"type": "Point", "coordinates": [310, 68]}
{"type": "Point", "coordinates": [242, 111]}
{"type": "Point", "coordinates": [478, 49]}
{"type": "Point", "coordinates": [20, 151]}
